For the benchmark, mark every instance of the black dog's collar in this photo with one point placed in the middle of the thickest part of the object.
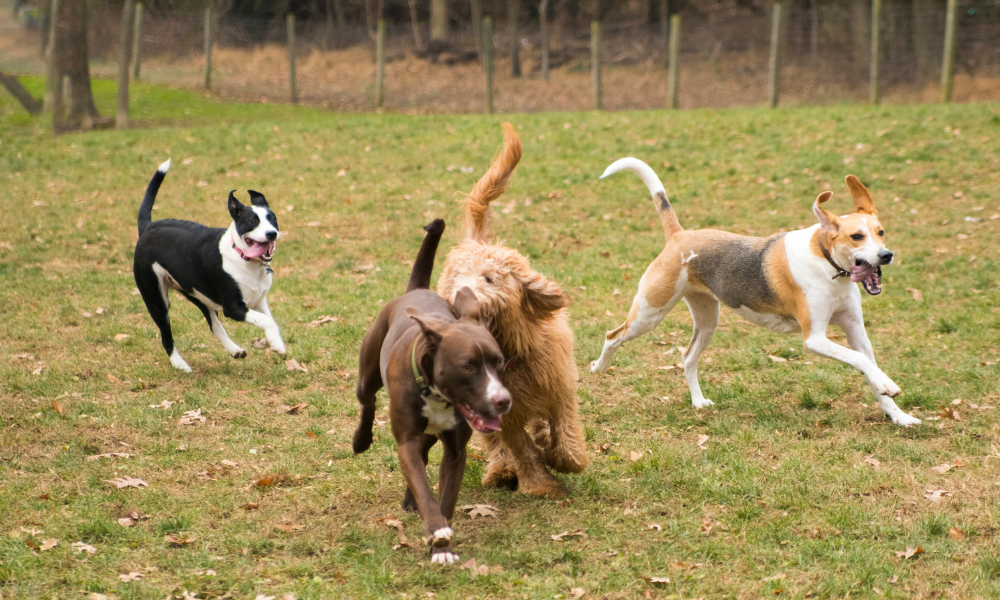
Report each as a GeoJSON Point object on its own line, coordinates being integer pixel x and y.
{"type": "Point", "coordinates": [426, 391]}
{"type": "Point", "coordinates": [829, 259]}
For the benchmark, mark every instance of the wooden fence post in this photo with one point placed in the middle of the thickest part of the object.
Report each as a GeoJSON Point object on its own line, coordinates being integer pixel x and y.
{"type": "Point", "coordinates": [208, 47]}
{"type": "Point", "coordinates": [136, 35]}
{"type": "Point", "coordinates": [290, 32]}
{"type": "Point", "coordinates": [774, 66]}
{"type": "Point", "coordinates": [380, 64]}
{"type": "Point", "coordinates": [121, 114]}
{"type": "Point", "coordinates": [51, 100]}
{"type": "Point", "coordinates": [488, 61]}
{"type": "Point", "coordinates": [948, 62]}
{"type": "Point", "coordinates": [674, 74]}
{"type": "Point", "coordinates": [595, 61]}
{"type": "Point", "coordinates": [874, 95]}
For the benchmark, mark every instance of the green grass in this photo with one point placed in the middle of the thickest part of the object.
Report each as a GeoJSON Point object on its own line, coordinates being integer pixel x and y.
{"type": "Point", "coordinates": [783, 483]}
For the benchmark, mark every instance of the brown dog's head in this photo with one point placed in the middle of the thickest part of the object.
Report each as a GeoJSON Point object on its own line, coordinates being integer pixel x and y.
{"type": "Point", "coordinates": [466, 363]}
{"type": "Point", "coordinates": [855, 241]}
{"type": "Point", "coordinates": [511, 295]}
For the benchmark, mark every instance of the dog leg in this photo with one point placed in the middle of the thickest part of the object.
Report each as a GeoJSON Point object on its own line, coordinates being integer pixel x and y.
{"type": "Point", "coordinates": [452, 468]}
{"type": "Point", "coordinates": [705, 314]}
{"type": "Point", "coordinates": [857, 338]}
{"type": "Point", "coordinates": [409, 503]}
{"type": "Point", "coordinates": [500, 471]}
{"type": "Point", "coordinates": [241, 313]}
{"type": "Point", "coordinates": [816, 341]}
{"type": "Point", "coordinates": [529, 463]}
{"type": "Point", "coordinates": [154, 295]}
{"type": "Point", "coordinates": [566, 450]}
{"type": "Point", "coordinates": [437, 532]}
{"type": "Point", "coordinates": [220, 332]}
{"type": "Point", "coordinates": [642, 318]}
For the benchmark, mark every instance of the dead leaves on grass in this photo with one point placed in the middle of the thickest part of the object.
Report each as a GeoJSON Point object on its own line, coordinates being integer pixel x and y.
{"type": "Point", "coordinates": [131, 519]}
{"type": "Point", "coordinates": [568, 534]}
{"type": "Point", "coordinates": [476, 511]}
{"type": "Point", "coordinates": [177, 541]}
{"type": "Point", "coordinates": [127, 482]}
{"type": "Point", "coordinates": [702, 440]}
{"type": "Point", "coordinates": [293, 410]}
{"type": "Point", "coordinates": [392, 521]}
{"type": "Point", "coordinates": [477, 570]}
{"type": "Point", "coordinates": [109, 455]}
{"type": "Point", "coordinates": [55, 405]}
{"type": "Point", "coordinates": [910, 552]}
{"type": "Point", "coordinates": [293, 365]}
{"type": "Point", "coordinates": [192, 417]}
{"type": "Point", "coordinates": [82, 547]}
{"type": "Point", "coordinates": [945, 467]}
{"type": "Point", "coordinates": [874, 462]}
{"type": "Point", "coordinates": [324, 319]}
{"type": "Point", "coordinates": [956, 534]}
{"type": "Point", "coordinates": [133, 576]}
{"type": "Point", "coordinates": [935, 495]}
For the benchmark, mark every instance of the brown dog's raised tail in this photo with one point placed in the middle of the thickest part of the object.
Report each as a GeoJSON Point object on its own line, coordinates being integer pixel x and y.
{"type": "Point", "coordinates": [423, 266]}
{"type": "Point", "coordinates": [491, 186]}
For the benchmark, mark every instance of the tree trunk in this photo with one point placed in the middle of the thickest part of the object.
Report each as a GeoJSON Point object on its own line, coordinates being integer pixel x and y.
{"type": "Point", "coordinates": [439, 20]}
{"type": "Point", "coordinates": [924, 43]}
{"type": "Point", "coordinates": [515, 43]}
{"type": "Point", "coordinates": [72, 61]}
{"type": "Point", "coordinates": [124, 45]}
{"type": "Point", "coordinates": [543, 21]}
{"type": "Point", "coordinates": [417, 39]}
{"type": "Point", "coordinates": [861, 30]}
{"type": "Point", "coordinates": [29, 102]}
{"type": "Point", "coordinates": [476, 7]}
{"type": "Point", "coordinates": [53, 79]}
{"type": "Point", "coordinates": [665, 24]}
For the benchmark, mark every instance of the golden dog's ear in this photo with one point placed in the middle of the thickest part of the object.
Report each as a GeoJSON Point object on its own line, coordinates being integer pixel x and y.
{"type": "Point", "coordinates": [862, 199]}
{"type": "Point", "coordinates": [433, 329]}
{"type": "Point", "coordinates": [466, 305]}
{"type": "Point", "coordinates": [828, 220]}
{"type": "Point", "coordinates": [542, 297]}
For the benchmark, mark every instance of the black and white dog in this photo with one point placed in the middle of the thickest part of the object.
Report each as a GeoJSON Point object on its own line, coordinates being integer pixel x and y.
{"type": "Point", "coordinates": [216, 269]}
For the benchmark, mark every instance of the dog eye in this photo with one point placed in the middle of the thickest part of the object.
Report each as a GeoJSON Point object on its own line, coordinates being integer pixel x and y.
{"type": "Point", "coordinates": [881, 234]}
{"type": "Point", "coordinates": [858, 237]}
{"type": "Point", "coordinates": [488, 279]}
{"type": "Point", "coordinates": [469, 368]}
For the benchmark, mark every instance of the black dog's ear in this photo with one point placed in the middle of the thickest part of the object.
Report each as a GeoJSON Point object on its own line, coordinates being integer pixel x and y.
{"type": "Point", "coordinates": [235, 208]}
{"type": "Point", "coordinates": [257, 199]}
{"type": "Point", "coordinates": [466, 305]}
{"type": "Point", "coordinates": [433, 329]}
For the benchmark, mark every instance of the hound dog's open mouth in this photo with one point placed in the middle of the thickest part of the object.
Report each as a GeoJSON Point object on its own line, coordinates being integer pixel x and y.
{"type": "Point", "coordinates": [869, 275]}
{"type": "Point", "coordinates": [261, 250]}
{"type": "Point", "coordinates": [480, 423]}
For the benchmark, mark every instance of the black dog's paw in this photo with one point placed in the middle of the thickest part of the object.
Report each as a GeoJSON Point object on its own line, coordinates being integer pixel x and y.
{"type": "Point", "coordinates": [362, 440]}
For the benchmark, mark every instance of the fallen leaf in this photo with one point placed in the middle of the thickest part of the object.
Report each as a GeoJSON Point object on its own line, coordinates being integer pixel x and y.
{"type": "Point", "coordinates": [956, 533]}
{"type": "Point", "coordinates": [192, 417]}
{"type": "Point", "coordinates": [293, 365]}
{"type": "Point", "coordinates": [122, 336]}
{"type": "Point", "coordinates": [935, 495]}
{"type": "Point", "coordinates": [251, 506]}
{"type": "Point", "coordinates": [777, 359]}
{"type": "Point", "coordinates": [577, 592]}
{"type": "Point", "coordinates": [86, 315]}
{"type": "Point", "coordinates": [655, 526]}
{"type": "Point", "coordinates": [48, 544]}
{"type": "Point", "coordinates": [126, 482]}
{"type": "Point", "coordinates": [290, 527]}
{"type": "Point", "coordinates": [81, 547]}
{"type": "Point", "coordinates": [706, 527]}
{"type": "Point", "coordinates": [702, 440]}
{"type": "Point", "coordinates": [775, 577]}
{"type": "Point", "coordinates": [634, 456]}
{"type": "Point", "coordinates": [113, 379]}
{"type": "Point", "coordinates": [947, 412]}
{"type": "Point", "coordinates": [942, 468]}
{"type": "Point", "coordinates": [873, 461]}
{"type": "Point", "coordinates": [294, 410]}
{"type": "Point", "coordinates": [476, 511]}
{"type": "Point", "coordinates": [126, 521]}
{"type": "Point", "coordinates": [207, 573]}
{"type": "Point", "coordinates": [476, 569]}
{"type": "Point", "coordinates": [173, 540]}
{"type": "Point", "coordinates": [109, 455]}
{"type": "Point", "coordinates": [164, 405]}
{"type": "Point", "coordinates": [655, 580]}
{"type": "Point", "coordinates": [910, 553]}
{"type": "Point", "coordinates": [32, 531]}
{"type": "Point", "coordinates": [57, 407]}
{"type": "Point", "coordinates": [310, 435]}
{"type": "Point", "coordinates": [97, 596]}
{"type": "Point", "coordinates": [322, 320]}
{"type": "Point", "coordinates": [229, 464]}
{"type": "Point", "coordinates": [917, 294]}
{"type": "Point", "coordinates": [38, 371]}
{"type": "Point", "coordinates": [186, 595]}
{"type": "Point", "coordinates": [263, 597]}
{"type": "Point", "coordinates": [133, 576]}
{"type": "Point", "coordinates": [559, 536]}
{"type": "Point", "coordinates": [265, 481]}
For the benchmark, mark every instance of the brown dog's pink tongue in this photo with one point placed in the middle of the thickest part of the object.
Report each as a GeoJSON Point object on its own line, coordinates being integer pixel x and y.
{"type": "Point", "coordinates": [861, 272]}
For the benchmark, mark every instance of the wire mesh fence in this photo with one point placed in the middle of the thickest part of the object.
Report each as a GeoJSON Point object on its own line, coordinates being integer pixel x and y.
{"type": "Point", "coordinates": [825, 58]}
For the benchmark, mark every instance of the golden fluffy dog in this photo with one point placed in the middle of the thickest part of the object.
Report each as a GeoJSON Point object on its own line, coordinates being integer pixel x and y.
{"type": "Point", "coordinates": [526, 314]}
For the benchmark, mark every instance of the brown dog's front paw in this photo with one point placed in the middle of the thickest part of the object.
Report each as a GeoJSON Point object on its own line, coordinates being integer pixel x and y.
{"type": "Point", "coordinates": [439, 538]}
{"type": "Point", "coordinates": [443, 556]}
{"type": "Point", "coordinates": [499, 475]}
{"type": "Point", "coordinates": [550, 488]}
{"type": "Point", "coordinates": [362, 440]}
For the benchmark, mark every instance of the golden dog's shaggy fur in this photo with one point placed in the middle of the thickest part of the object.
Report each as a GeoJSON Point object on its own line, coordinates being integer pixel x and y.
{"type": "Point", "coordinates": [526, 314]}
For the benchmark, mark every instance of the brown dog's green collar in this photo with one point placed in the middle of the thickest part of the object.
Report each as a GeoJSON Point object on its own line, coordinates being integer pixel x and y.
{"type": "Point", "coordinates": [426, 391]}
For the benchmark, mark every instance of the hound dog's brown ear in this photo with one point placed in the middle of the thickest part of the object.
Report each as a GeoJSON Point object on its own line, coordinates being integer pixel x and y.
{"type": "Point", "coordinates": [466, 305]}
{"type": "Point", "coordinates": [862, 199]}
{"type": "Point", "coordinates": [433, 329]}
{"type": "Point", "coordinates": [829, 221]}
{"type": "Point", "coordinates": [541, 297]}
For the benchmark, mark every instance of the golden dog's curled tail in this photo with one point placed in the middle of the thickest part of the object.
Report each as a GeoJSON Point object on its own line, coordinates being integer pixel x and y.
{"type": "Point", "coordinates": [491, 186]}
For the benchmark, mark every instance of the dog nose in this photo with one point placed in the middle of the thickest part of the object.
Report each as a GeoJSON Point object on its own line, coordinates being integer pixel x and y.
{"type": "Point", "coordinates": [501, 401]}
{"type": "Point", "coordinates": [885, 256]}
{"type": "Point", "coordinates": [272, 235]}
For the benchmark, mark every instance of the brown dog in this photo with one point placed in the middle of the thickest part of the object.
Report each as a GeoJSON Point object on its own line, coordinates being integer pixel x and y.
{"type": "Point", "coordinates": [526, 314]}
{"type": "Point", "coordinates": [431, 364]}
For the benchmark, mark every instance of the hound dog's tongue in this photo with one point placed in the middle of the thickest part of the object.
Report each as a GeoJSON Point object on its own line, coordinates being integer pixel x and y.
{"type": "Point", "coordinates": [869, 276]}
{"type": "Point", "coordinates": [479, 422]}
{"type": "Point", "coordinates": [257, 249]}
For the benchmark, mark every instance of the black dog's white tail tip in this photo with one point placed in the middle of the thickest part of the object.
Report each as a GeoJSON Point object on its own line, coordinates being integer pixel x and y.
{"type": "Point", "coordinates": [164, 167]}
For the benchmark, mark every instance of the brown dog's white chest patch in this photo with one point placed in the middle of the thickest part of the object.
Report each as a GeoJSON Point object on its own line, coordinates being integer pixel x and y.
{"type": "Point", "coordinates": [440, 415]}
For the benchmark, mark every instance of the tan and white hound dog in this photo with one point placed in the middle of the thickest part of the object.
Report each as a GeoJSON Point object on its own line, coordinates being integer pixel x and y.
{"type": "Point", "coordinates": [797, 281]}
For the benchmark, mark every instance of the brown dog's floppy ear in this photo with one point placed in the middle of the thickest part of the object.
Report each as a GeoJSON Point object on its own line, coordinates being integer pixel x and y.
{"type": "Point", "coordinates": [828, 220]}
{"type": "Point", "coordinates": [433, 329]}
{"type": "Point", "coordinates": [542, 297]}
{"type": "Point", "coordinates": [862, 199]}
{"type": "Point", "coordinates": [466, 304]}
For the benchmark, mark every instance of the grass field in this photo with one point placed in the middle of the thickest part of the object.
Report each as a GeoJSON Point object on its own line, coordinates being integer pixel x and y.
{"type": "Point", "coordinates": [803, 488]}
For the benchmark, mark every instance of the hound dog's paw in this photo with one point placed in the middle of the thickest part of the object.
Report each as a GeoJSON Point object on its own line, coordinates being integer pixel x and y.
{"type": "Point", "coordinates": [884, 386]}
{"type": "Point", "coordinates": [179, 363]}
{"type": "Point", "coordinates": [597, 367]}
{"type": "Point", "coordinates": [905, 420]}
{"type": "Point", "coordinates": [703, 403]}
{"type": "Point", "coordinates": [440, 538]}
{"type": "Point", "coordinates": [443, 556]}
{"type": "Point", "coordinates": [239, 353]}
{"type": "Point", "coordinates": [278, 347]}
